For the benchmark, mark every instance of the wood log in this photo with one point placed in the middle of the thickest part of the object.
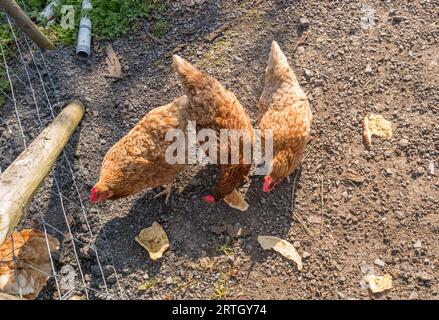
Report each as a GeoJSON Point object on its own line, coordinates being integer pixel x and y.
{"type": "Point", "coordinates": [22, 178]}
{"type": "Point", "coordinates": [23, 21]}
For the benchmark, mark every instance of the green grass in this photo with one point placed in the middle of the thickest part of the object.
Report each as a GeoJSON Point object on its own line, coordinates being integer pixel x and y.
{"type": "Point", "coordinates": [160, 27]}
{"type": "Point", "coordinates": [147, 285]}
{"type": "Point", "coordinates": [221, 289]}
{"type": "Point", "coordinates": [110, 19]}
{"type": "Point", "coordinates": [225, 249]}
{"type": "Point", "coordinates": [5, 41]}
{"type": "Point", "coordinates": [113, 18]}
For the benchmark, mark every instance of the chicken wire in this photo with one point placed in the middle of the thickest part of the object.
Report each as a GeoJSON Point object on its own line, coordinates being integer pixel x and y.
{"type": "Point", "coordinates": [84, 265]}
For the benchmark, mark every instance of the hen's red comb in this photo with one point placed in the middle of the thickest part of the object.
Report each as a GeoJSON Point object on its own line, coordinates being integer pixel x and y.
{"type": "Point", "coordinates": [267, 182]}
{"type": "Point", "coordinates": [93, 195]}
{"type": "Point", "coordinates": [209, 199]}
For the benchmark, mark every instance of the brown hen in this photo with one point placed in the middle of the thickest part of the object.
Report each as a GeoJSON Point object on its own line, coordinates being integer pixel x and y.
{"type": "Point", "coordinates": [214, 107]}
{"type": "Point", "coordinates": [137, 161]}
{"type": "Point", "coordinates": [285, 110]}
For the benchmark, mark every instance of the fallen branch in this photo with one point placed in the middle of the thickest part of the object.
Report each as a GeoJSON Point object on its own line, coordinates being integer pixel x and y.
{"type": "Point", "coordinates": [155, 38]}
{"type": "Point", "coordinates": [215, 34]}
{"type": "Point", "coordinates": [22, 178]}
{"type": "Point", "coordinates": [295, 215]}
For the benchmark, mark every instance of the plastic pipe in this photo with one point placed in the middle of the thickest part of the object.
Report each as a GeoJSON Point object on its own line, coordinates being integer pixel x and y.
{"type": "Point", "coordinates": [83, 49]}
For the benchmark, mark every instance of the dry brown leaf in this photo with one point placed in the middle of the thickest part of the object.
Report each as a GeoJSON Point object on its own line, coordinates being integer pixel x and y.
{"type": "Point", "coordinates": [236, 201]}
{"type": "Point", "coordinates": [376, 125]}
{"type": "Point", "coordinates": [154, 240]}
{"type": "Point", "coordinates": [33, 263]}
{"type": "Point", "coordinates": [113, 63]}
{"type": "Point", "coordinates": [379, 283]}
{"type": "Point", "coordinates": [283, 247]}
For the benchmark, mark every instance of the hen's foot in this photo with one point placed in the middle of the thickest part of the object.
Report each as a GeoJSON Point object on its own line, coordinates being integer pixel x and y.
{"type": "Point", "coordinates": [167, 192]}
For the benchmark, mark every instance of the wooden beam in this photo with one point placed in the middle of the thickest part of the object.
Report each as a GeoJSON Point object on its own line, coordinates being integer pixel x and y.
{"type": "Point", "coordinates": [22, 178]}
{"type": "Point", "coordinates": [23, 21]}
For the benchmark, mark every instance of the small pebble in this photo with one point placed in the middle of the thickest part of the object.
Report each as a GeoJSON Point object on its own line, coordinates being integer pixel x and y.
{"type": "Point", "coordinates": [414, 296]}
{"type": "Point", "coordinates": [400, 215]}
{"type": "Point", "coordinates": [431, 167]}
{"type": "Point", "coordinates": [403, 143]}
{"type": "Point", "coordinates": [379, 263]}
{"type": "Point", "coordinates": [306, 255]}
{"type": "Point", "coordinates": [418, 244]}
{"type": "Point", "coordinates": [424, 277]}
{"type": "Point", "coordinates": [169, 280]}
{"type": "Point", "coordinates": [308, 73]}
{"type": "Point", "coordinates": [304, 23]}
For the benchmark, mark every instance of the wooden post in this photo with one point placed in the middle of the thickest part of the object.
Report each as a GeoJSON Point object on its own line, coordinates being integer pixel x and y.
{"type": "Point", "coordinates": [23, 21]}
{"type": "Point", "coordinates": [22, 178]}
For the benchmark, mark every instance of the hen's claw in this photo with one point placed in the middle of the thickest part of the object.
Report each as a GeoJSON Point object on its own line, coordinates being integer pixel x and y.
{"type": "Point", "coordinates": [167, 192]}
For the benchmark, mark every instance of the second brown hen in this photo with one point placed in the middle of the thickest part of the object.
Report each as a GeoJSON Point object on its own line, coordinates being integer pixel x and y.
{"type": "Point", "coordinates": [284, 109]}
{"type": "Point", "coordinates": [214, 107]}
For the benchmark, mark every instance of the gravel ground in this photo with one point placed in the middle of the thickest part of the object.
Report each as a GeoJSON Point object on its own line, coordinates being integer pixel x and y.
{"type": "Point", "coordinates": [351, 58]}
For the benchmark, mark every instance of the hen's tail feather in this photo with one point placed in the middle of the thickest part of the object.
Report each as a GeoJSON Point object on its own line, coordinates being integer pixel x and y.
{"type": "Point", "coordinates": [191, 77]}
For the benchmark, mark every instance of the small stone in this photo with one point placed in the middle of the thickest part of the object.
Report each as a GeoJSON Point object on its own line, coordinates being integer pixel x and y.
{"type": "Point", "coordinates": [237, 59]}
{"type": "Point", "coordinates": [388, 172]}
{"type": "Point", "coordinates": [304, 23]}
{"type": "Point", "coordinates": [418, 244]}
{"type": "Point", "coordinates": [169, 280]}
{"type": "Point", "coordinates": [421, 171]}
{"type": "Point", "coordinates": [379, 263]}
{"type": "Point", "coordinates": [368, 69]}
{"type": "Point", "coordinates": [403, 143]}
{"type": "Point", "coordinates": [414, 296]}
{"type": "Point", "coordinates": [306, 255]}
{"type": "Point", "coordinates": [407, 78]}
{"type": "Point", "coordinates": [296, 244]}
{"type": "Point", "coordinates": [431, 167]}
{"type": "Point", "coordinates": [308, 73]}
{"type": "Point", "coordinates": [424, 277]}
{"type": "Point", "coordinates": [95, 113]}
{"type": "Point", "coordinates": [400, 215]}
{"type": "Point", "coordinates": [314, 220]}
{"type": "Point", "coordinates": [300, 49]}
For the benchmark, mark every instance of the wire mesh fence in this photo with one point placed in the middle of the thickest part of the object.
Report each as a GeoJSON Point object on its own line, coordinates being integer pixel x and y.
{"type": "Point", "coordinates": [84, 265]}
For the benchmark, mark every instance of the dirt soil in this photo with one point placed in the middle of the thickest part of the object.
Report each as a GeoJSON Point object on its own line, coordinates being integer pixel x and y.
{"type": "Point", "coordinates": [351, 58]}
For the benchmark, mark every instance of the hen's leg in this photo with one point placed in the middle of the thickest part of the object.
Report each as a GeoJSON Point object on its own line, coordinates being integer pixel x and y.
{"type": "Point", "coordinates": [167, 192]}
